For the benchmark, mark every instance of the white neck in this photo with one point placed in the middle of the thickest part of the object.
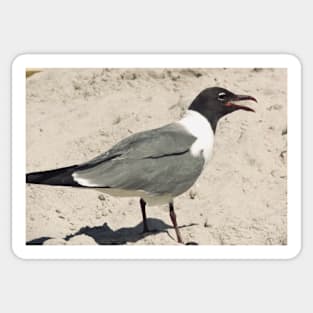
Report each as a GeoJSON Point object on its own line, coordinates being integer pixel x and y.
{"type": "Point", "coordinates": [197, 125]}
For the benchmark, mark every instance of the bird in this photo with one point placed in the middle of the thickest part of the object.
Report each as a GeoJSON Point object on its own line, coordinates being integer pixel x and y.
{"type": "Point", "coordinates": [155, 165]}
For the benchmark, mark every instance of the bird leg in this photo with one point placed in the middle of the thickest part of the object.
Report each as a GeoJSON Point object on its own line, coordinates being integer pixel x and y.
{"type": "Point", "coordinates": [174, 222]}
{"type": "Point", "coordinates": [144, 216]}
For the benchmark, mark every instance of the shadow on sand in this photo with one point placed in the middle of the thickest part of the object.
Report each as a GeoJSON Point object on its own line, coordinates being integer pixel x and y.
{"type": "Point", "coordinates": [104, 235]}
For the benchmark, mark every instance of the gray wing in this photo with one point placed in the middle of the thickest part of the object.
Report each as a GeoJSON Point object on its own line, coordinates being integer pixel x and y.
{"type": "Point", "coordinates": [156, 161]}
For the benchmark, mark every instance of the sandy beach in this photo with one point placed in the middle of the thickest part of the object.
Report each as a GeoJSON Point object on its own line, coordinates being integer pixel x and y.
{"type": "Point", "coordinates": [75, 114]}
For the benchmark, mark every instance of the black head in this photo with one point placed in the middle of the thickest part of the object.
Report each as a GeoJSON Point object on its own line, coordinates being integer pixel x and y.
{"type": "Point", "coordinates": [215, 102]}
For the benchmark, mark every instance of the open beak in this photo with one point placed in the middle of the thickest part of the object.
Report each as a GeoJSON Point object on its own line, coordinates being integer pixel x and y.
{"type": "Point", "coordinates": [240, 98]}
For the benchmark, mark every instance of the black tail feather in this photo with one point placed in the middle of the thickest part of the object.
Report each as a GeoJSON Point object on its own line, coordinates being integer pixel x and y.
{"type": "Point", "coordinates": [58, 177]}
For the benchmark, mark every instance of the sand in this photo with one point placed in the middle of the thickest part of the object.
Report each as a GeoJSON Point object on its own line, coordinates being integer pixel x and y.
{"type": "Point", "coordinates": [76, 114]}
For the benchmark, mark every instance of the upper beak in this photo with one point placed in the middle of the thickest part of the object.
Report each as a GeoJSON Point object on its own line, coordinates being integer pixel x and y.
{"type": "Point", "coordinates": [241, 98]}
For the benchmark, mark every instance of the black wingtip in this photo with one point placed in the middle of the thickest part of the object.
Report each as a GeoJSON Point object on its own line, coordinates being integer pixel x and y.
{"type": "Point", "coordinates": [33, 178]}
{"type": "Point", "coordinates": [58, 177]}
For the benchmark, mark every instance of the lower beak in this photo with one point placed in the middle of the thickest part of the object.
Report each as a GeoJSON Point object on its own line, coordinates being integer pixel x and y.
{"type": "Point", "coordinates": [241, 98]}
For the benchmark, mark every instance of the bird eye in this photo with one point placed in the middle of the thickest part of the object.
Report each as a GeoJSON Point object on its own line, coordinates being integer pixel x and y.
{"type": "Point", "coordinates": [221, 96]}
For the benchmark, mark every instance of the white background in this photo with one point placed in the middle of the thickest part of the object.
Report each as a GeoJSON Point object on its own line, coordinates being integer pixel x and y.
{"type": "Point", "coordinates": [160, 26]}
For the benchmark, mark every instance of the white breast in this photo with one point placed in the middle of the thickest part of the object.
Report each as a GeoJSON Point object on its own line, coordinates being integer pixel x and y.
{"type": "Point", "coordinates": [197, 125]}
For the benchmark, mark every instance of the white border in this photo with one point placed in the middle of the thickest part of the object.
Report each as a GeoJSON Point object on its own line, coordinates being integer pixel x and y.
{"type": "Point", "coordinates": [22, 62]}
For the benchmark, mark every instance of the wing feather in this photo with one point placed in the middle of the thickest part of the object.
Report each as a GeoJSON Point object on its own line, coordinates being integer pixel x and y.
{"type": "Point", "coordinates": [143, 161]}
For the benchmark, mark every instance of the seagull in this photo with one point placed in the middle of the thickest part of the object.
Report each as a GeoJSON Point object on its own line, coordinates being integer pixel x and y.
{"type": "Point", "coordinates": [156, 165]}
